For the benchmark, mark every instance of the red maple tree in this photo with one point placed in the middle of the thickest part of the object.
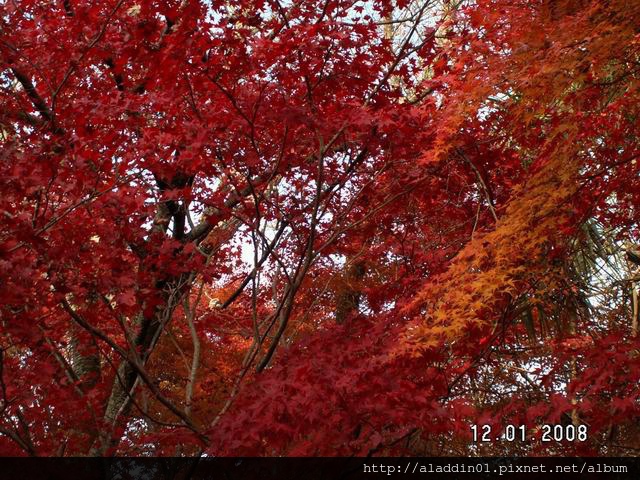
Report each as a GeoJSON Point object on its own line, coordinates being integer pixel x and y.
{"type": "Point", "coordinates": [328, 227]}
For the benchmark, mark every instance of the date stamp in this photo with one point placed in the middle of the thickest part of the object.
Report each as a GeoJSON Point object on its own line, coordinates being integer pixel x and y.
{"type": "Point", "coordinates": [519, 433]}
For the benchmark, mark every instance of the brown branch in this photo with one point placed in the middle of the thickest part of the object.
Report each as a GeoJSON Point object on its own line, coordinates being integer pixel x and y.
{"type": "Point", "coordinates": [263, 259]}
{"type": "Point", "coordinates": [481, 181]}
{"type": "Point", "coordinates": [204, 228]}
{"type": "Point", "coordinates": [141, 372]}
{"type": "Point", "coordinates": [37, 100]}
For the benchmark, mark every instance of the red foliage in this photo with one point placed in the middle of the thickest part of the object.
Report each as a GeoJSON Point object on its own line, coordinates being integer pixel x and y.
{"type": "Point", "coordinates": [319, 228]}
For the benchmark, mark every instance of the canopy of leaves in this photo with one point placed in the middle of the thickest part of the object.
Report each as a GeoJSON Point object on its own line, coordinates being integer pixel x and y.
{"type": "Point", "coordinates": [328, 227]}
